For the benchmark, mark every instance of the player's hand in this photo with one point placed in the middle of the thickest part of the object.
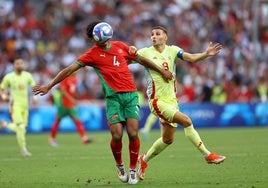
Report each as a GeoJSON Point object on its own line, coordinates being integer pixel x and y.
{"type": "Point", "coordinates": [5, 97]}
{"type": "Point", "coordinates": [40, 90]}
{"type": "Point", "coordinates": [167, 75]}
{"type": "Point", "coordinates": [213, 49]}
{"type": "Point", "coordinates": [132, 50]}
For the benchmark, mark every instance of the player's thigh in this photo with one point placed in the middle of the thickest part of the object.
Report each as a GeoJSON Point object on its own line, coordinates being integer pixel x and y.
{"type": "Point", "coordinates": [62, 112]}
{"type": "Point", "coordinates": [182, 119]}
{"type": "Point", "coordinates": [17, 115]}
{"type": "Point", "coordinates": [116, 131]}
{"type": "Point", "coordinates": [132, 128]}
{"type": "Point", "coordinates": [114, 113]}
{"type": "Point", "coordinates": [73, 113]}
{"type": "Point", "coordinates": [165, 110]}
{"type": "Point", "coordinates": [131, 107]}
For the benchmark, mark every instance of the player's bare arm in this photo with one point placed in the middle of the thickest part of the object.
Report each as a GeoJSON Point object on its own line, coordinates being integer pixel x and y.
{"type": "Point", "coordinates": [42, 90]}
{"type": "Point", "coordinates": [4, 95]}
{"type": "Point", "coordinates": [212, 50]}
{"type": "Point", "coordinates": [167, 75]}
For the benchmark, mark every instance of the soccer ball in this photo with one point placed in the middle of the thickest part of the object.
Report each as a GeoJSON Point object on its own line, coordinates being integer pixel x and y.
{"type": "Point", "coordinates": [102, 32]}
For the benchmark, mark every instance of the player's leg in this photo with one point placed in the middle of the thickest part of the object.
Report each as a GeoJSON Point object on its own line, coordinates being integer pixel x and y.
{"type": "Point", "coordinates": [20, 118]}
{"type": "Point", "coordinates": [165, 110]}
{"type": "Point", "coordinates": [54, 130]}
{"type": "Point", "coordinates": [150, 121]}
{"type": "Point", "coordinates": [134, 148]}
{"type": "Point", "coordinates": [116, 147]}
{"type": "Point", "coordinates": [79, 126]}
{"type": "Point", "coordinates": [158, 146]}
{"type": "Point", "coordinates": [131, 114]}
{"type": "Point", "coordinates": [114, 117]}
{"type": "Point", "coordinates": [194, 137]}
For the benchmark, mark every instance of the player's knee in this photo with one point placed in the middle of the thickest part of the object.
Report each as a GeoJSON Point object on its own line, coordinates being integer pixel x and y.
{"type": "Point", "coordinates": [168, 140]}
{"type": "Point", "coordinates": [116, 137]}
{"type": "Point", "coordinates": [187, 122]}
{"type": "Point", "coordinates": [133, 135]}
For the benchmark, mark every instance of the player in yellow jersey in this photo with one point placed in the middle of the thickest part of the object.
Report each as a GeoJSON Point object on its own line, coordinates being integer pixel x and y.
{"type": "Point", "coordinates": [162, 97]}
{"type": "Point", "coordinates": [17, 83]}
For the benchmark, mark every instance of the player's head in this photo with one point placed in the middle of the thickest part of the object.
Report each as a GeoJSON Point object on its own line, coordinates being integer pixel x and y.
{"type": "Point", "coordinates": [159, 35]}
{"type": "Point", "coordinates": [18, 64]}
{"type": "Point", "coordinates": [90, 28]}
{"type": "Point", "coordinates": [95, 34]}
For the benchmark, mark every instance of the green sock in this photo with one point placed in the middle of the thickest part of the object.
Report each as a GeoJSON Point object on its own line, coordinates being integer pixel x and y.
{"type": "Point", "coordinates": [157, 147]}
{"type": "Point", "coordinates": [150, 122]}
{"type": "Point", "coordinates": [194, 137]}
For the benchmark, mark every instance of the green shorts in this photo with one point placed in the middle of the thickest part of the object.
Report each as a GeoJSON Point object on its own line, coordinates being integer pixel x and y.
{"type": "Point", "coordinates": [165, 109]}
{"type": "Point", "coordinates": [62, 112]}
{"type": "Point", "coordinates": [122, 106]}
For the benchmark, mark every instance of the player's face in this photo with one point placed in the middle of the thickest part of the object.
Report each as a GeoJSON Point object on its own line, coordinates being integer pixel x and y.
{"type": "Point", "coordinates": [158, 37]}
{"type": "Point", "coordinates": [18, 65]}
{"type": "Point", "coordinates": [103, 44]}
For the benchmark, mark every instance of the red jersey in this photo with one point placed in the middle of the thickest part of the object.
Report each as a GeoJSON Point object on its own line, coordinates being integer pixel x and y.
{"type": "Point", "coordinates": [69, 84]}
{"type": "Point", "coordinates": [111, 66]}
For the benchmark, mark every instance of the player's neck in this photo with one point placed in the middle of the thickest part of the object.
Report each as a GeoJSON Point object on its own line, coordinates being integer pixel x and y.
{"type": "Point", "coordinates": [160, 48]}
{"type": "Point", "coordinates": [18, 72]}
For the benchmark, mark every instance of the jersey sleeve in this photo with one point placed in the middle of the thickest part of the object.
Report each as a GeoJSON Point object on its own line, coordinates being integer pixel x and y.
{"type": "Point", "coordinates": [5, 83]}
{"type": "Point", "coordinates": [142, 52]}
{"type": "Point", "coordinates": [177, 51]}
{"type": "Point", "coordinates": [125, 47]}
{"type": "Point", "coordinates": [31, 81]}
{"type": "Point", "coordinates": [85, 59]}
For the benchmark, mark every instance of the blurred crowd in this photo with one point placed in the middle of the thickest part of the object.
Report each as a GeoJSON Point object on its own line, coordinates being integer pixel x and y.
{"type": "Point", "coordinates": [50, 35]}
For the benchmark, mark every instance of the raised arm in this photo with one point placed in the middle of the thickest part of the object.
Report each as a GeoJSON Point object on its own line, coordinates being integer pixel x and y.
{"type": "Point", "coordinates": [42, 90]}
{"type": "Point", "coordinates": [212, 50]}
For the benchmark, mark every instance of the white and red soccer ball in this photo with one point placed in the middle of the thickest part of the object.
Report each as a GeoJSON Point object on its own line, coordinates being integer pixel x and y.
{"type": "Point", "coordinates": [102, 32]}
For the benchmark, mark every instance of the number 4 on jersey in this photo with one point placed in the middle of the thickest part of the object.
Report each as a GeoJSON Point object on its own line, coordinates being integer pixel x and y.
{"type": "Point", "coordinates": [116, 63]}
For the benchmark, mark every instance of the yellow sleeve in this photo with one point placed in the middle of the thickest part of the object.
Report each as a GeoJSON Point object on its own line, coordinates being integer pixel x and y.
{"type": "Point", "coordinates": [31, 81]}
{"type": "Point", "coordinates": [5, 83]}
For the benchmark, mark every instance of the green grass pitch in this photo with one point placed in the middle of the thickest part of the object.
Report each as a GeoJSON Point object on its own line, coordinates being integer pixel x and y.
{"type": "Point", "coordinates": [73, 164]}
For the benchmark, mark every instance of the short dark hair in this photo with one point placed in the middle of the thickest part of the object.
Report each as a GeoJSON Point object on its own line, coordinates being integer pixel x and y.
{"type": "Point", "coordinates": [161, 28]}
{"type": "Point", "coordinates": [90, 28]}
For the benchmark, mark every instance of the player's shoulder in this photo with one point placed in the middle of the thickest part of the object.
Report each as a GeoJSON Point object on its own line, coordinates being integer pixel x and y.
{"type": "Point", "coordinates": [9, 75]}
{"type": "Point", "coordinates": [146, 49]}
{"type": "Point", "coordinates": [26, 73]}
{"type": "Point", "coordinates": [173, 47]}
{"type": "Point", "coordinates": [117, 42]}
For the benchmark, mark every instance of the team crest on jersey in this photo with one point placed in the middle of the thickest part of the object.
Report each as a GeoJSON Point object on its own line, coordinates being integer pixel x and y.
{"type": "Point", "coordinates": [114, 117]}
{"type": "Point", "coordinates": [154, 57]}
{"type": "Point", "coordinates": [120, 51]}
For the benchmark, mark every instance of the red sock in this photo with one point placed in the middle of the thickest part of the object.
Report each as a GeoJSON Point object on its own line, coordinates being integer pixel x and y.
{"type": "Point", "coordinates": [54, 129]}
{"type": "Point", "coordinates": [116, 148]}
{"type": "Point", "coordinates": [79, 127]}
{"type": "Point", "coordinates": [134, 148]}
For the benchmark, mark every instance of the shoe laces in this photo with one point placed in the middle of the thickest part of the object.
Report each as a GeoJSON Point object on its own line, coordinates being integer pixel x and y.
{"type": "Point", "coordinates": [132, 174]}
{"type": "Point", "coordinates": [121, 169]}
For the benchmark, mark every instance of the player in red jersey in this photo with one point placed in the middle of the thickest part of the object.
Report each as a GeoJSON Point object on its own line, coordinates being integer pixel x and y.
{"type": "Point", "coordinates": [64, 99]}
{"type": "Point", "coordinates": [110, 61]}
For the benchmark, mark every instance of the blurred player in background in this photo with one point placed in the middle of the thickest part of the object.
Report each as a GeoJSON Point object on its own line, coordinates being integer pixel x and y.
{"type": "Point", "coordinates": [163, 101]}
{"type": "Point", "coordinates": [109, 59]}
{"type": "Point", "coordinates": [149, 123]}
{"type": "Point", "coordinates": [64, 99]}
{"type": "Point", "coordinates": [16, 83]}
